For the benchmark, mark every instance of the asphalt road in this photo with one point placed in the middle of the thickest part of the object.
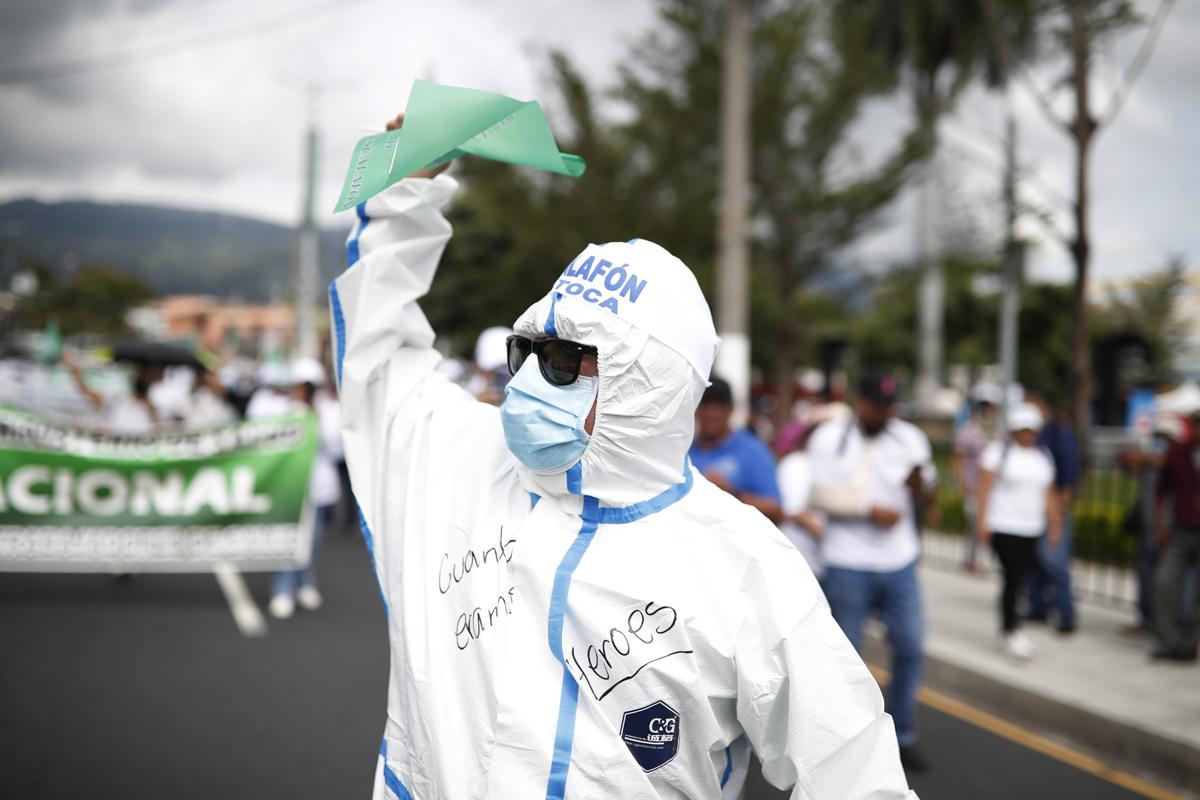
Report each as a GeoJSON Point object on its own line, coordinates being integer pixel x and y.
{"type": "Point", "coordinates": [145, 689]}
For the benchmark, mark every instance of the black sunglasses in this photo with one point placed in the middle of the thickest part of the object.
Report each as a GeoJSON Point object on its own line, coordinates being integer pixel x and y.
{"type": "Point", "coordinates": [558, 359]}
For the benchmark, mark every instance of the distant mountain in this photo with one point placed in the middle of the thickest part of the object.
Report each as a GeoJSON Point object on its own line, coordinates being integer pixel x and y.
{"type": "Point", "coordinates": [174, 250]}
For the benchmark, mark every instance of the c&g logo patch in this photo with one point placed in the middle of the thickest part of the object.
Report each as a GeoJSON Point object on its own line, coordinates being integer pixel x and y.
{"type": "Point", "coordinates": [652, 734]}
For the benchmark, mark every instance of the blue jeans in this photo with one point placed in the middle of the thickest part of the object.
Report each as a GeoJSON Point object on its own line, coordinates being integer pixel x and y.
{"type": "Point", "coordinates": [1050, 580]}
{"type": "Point", "coordinates": [288, 581]}
{"type": "Point", "coordinates": [895, 598]}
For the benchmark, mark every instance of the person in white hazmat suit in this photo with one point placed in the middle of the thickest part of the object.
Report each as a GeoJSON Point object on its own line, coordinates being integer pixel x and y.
{"type": "Point", "coordinates": [574, 612]}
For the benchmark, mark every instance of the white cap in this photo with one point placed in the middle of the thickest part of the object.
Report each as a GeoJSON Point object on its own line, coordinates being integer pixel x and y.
{"type": "Point", "coordinates": [1025, 417]}
{"type": "Point", "coordinates": [643, 284]}
{"type": "Point", "coordinates": [491, 349]}
{"type": "Point", "coordinates": [1169, 425]}
{"type": "Point", "coordinates": [987, 393]}
{"type": "Point", "coordinates": [307, 370]}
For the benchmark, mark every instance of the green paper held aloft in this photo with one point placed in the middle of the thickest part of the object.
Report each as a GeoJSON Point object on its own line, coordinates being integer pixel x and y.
{"type": "Point", "coordinates": [444, 122]}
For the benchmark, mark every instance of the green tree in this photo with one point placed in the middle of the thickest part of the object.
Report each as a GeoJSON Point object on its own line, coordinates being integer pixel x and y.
{"type": "Point", "coordinates": [1148, 310]}
{"type": "Point", "coordinates": [94, 300]}
{"type": "Point", "coordinates": [655, 176]}
{"type": "Point", "coordinates": [807, 98]}
{"type": "Point", "coordinates": [885, 335]}
{"type": "Point", "coordinates": [941, 45]}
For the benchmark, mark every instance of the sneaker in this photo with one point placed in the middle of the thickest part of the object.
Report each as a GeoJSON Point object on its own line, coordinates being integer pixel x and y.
{"type": "Point", "coordinates": [282, 606]}
{"type": "Point", "coordinates": [1017, 645]}
{"type": "Point", "coordinates": [1179, 653]}
{"type": "Point", "coordinates": [912, 759]}
{"type": "Point", "coordinates": [309, 598]}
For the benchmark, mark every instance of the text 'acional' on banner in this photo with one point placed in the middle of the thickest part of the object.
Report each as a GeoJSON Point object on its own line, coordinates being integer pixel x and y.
{"type": "Point", "coordinates": [72, 500]}
{"type": "Point", "coordinates": [442, 123]}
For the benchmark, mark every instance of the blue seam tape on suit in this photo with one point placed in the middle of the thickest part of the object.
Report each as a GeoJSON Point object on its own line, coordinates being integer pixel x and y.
{"type": "Point", "coordinates": [593, 516]}
{"type": "Point", "coordinates": [575, 478]}
{"type": "Point", "coordinates": [549, 329]}
{"type": "Point", "coordinates": [352, 253]}
{"type": "Point", "coordinates": [339, 327]}
{"type": "Point", "coordinates": [389, 778]}
{"type": "Point", "coordinates": [564, 734]}
{"type": "Point", "coordinates": [620, 516]}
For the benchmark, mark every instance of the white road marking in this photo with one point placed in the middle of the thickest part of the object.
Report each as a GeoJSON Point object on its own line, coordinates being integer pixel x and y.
{"type": "Point", "coordinates": [241, 604]}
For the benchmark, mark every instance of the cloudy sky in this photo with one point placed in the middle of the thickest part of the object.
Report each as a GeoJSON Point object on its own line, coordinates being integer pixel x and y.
{"type": "Point", "coordinates": [202, 104]}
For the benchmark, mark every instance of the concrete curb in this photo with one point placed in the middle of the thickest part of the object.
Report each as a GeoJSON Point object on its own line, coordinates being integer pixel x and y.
{"type": "Point", "coordinates": [1125, 746]}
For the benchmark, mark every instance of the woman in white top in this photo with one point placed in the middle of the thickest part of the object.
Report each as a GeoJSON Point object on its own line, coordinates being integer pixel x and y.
{"type": "Point", "coordinates": [324, 489]}
{"type": "Point", "coordinates": [1017, 503]}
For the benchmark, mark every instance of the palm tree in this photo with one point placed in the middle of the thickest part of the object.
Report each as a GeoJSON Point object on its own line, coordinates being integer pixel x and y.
{"type": "Point", "coordinates": [939, 47]}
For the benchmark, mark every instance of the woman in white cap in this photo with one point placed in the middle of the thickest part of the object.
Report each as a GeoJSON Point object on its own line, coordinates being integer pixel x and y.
{"type": "Point", "coordinates": [306, 376]}
{"type": "Point", "coordinates": [1017, 503]}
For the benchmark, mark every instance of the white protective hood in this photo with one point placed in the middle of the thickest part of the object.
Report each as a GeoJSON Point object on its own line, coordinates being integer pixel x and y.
{"type": "Point", "coordinates": [643, 311]}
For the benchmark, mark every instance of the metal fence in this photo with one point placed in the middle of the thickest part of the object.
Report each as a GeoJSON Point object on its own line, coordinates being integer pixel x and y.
{"type": "Point", "coordinates": [1105, 538]}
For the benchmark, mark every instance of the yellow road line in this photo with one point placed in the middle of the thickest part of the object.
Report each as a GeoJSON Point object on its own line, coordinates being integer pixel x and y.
{"type": "Point", "coordinates": [1034, 741]}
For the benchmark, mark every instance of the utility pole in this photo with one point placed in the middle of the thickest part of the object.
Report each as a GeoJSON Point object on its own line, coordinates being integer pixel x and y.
{"type": "Point", "coordinates": [1014, 267]}
{"type": "Point", "coordinates": [307, 245]}
{"type": "Point", "coordinates": [733, 360]}
{"type": "Point", "coordinates": [931, 294]}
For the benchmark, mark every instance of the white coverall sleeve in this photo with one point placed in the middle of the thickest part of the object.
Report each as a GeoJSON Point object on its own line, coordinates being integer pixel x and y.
{"type": "Point", "coordinates": [810, 708]}
{"type": "Point", "coordinates": [383, 345]}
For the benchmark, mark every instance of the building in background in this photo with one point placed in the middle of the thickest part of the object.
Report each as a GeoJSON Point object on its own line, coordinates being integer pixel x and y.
{"type": "Point", "coordinates": [223, 326]}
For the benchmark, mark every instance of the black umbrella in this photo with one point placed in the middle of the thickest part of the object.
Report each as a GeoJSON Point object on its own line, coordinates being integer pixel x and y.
{"type": "Point", "coordinates": [159, 353]}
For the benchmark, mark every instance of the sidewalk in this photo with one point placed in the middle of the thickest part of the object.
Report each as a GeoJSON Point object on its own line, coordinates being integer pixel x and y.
{"type": "Point", "coordinates": [1097, 687]}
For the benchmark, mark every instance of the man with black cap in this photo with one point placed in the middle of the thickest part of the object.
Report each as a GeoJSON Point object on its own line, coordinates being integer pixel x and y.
{"type": "Point", "coordinates": [869, 475]}
{"type": "Point", "coordinates": [736, 461]}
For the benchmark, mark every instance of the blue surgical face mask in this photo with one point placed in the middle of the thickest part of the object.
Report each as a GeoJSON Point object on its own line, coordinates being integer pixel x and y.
{"type": "Point", "coordinates": [544, 423]}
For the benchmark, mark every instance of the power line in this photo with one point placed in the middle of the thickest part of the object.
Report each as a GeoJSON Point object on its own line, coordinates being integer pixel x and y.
{"type": "Point", "coordinates": [70, 67]}
{"type": "Point", "coordinates": [971, 151]}
{"type": "Point", "coordinates": [1140, 59]}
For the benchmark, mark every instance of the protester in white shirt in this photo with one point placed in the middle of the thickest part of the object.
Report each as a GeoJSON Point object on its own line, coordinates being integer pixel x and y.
{"type": "Point", "coordinates": [868, 475]}
{"type": "Point", "coordinates": [304, 377]}
{"type": "Point", "coordinates": [1017, 503]}
{"type": "Point", "coordinates": [208, 406]}
{"type": "Point", "coordinates": [271, 398]}
{"type": "Point", "coordinates": [123, 415]}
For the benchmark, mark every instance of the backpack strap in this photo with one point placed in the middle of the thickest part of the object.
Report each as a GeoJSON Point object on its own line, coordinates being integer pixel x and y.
{"type": "Point", "coordinates": [845, 440]}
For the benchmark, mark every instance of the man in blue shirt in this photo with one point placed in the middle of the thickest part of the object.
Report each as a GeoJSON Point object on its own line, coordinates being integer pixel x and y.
{"type": "Point", "coordinates": [1050, 581]}
{"type": "Point", "coordinates": [736, 461]}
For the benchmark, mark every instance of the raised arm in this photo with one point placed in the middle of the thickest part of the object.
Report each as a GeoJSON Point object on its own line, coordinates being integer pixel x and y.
{"type": "Point", "coordinates": [384, 359]}
{"type": "Point", "coordinates": [94, 398]}
{"type": "Point", "coordinates": [983, 491]}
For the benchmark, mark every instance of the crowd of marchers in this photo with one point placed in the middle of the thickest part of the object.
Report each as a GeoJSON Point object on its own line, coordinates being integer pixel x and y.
{"type": "Point", "coordinates": [163, 389]}
{"type": "Point", "coordinates": [851, 485]}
